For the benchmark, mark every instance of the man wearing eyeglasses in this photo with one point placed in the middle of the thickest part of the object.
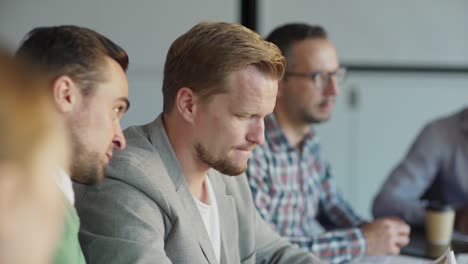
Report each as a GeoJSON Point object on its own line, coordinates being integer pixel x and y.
{"type": "Point", "coordinates": [291, 181]}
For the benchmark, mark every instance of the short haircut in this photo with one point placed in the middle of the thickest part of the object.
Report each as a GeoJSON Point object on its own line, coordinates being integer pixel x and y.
{"type": "Point", "coordinates": [286, 35]}
{"type": "Point", "coordinates": [203, 57]}
{"type": "Point", "coordinates": [73, 51]}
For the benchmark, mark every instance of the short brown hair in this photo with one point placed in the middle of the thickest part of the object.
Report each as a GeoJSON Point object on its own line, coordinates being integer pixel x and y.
{"type": "Point", "coordinates": [74, 51]}
{"type": "Point", "coordinates": [202, 58]}
{"type": "Point", "coordinates": [286, 35]}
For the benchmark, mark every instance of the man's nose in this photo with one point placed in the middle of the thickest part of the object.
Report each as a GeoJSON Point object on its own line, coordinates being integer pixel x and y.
{"type": "Point", "coordinates": [332, 88]}
{"type": "Point", "coordinates": [257, 132]}
{"type": "Point", "coordinates": [119, 139]}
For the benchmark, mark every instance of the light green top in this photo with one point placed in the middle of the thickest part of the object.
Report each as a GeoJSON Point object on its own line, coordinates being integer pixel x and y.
{"type": "Point", "coordinates": [69, 250]}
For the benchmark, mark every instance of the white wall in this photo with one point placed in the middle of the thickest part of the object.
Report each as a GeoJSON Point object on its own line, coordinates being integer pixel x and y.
{"type": "Point", "coordinates": [144, 28]}
{"type": "Point", "coordinates": [400, 31]}
{"type": "Point", "coordinates": [393, 109]}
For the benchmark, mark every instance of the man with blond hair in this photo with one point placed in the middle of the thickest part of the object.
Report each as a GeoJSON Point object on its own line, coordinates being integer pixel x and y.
{"type": "Point", "coordinates": [169, 197]}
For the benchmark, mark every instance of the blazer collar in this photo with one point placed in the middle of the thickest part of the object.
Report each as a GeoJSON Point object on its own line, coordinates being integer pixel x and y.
{"type": "Point", "coordinates": [227, 217]}
{"type": "Point", "coordinates": [159, 138]}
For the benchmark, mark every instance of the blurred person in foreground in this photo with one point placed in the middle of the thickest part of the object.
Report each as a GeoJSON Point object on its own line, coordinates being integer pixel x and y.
{"type": "Point", "coordinates": [177, 193]}
{"type": "Point", "coordinates": [85, 72]}
{"type": "Point", "coordinates": [33, 146]}
{"type": "Point", "coordinates": [291, 181]}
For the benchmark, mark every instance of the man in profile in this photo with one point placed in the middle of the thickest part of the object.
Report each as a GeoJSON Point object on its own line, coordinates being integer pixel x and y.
{"type": "Point", "coordinates": [173, 196]}
{"type": "Point", "coordinates": [86, 76]}
{"type": "Point", "coordinates": [291, 181]}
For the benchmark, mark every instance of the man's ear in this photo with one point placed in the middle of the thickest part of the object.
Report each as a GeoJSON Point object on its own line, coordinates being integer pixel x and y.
{"type": "Point", "coordinates": [186, 103]}
{"type": "Point", "coordinates": [65, 93]}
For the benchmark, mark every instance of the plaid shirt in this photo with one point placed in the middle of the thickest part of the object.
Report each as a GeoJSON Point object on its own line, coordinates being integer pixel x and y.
{"type": "Point", "coordinates": [293, 190]}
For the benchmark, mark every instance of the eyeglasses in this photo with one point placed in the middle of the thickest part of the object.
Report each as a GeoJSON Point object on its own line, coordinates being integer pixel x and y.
{"type": "Point", "coordinates": [322, 79]}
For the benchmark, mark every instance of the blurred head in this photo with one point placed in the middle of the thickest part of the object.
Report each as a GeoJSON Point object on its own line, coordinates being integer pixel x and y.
{"type": "Point", "coordinates": [34, 145]}
{"type": "Point", "coordinates": [86, 75]}
{"type": "Point", "coordinates": [221, 78]}
{"type": "Point", "coordinates": [308, 89]}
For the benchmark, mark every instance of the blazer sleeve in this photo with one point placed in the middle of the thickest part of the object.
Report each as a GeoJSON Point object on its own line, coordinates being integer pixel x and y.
{"type": "Point", "coordinates": [401, 192]}
{"type": "Point", "coordinates": [119, 223]}
{"type": "Point", "coordinates": [271, 248]}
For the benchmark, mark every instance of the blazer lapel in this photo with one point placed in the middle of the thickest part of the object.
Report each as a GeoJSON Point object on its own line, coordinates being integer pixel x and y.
{"type": "Point", "coordinates": [196, 222]}
{"type": "Point", "coordinates": [160, 140]}
{"type": "Point", "coordinates": [227, 219]}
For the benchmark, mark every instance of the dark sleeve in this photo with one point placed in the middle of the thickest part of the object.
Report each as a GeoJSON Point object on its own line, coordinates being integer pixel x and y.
{"type": "Point", "coordinates": [401, 192]}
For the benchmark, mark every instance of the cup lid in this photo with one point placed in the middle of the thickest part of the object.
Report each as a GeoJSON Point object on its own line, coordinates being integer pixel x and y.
{"type": "Point", "coordinates": [438, 206]}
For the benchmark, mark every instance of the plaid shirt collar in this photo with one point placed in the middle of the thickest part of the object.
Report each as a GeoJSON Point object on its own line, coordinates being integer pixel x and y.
{"type": "Point", "coordinates": [277, 139]}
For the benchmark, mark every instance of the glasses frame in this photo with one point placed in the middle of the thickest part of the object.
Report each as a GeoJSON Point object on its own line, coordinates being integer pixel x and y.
{"type": "Point", "coordinates": [321, 79]}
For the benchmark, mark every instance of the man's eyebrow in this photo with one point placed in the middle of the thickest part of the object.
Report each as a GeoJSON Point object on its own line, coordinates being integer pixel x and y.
{"type": "Point", "coordinates": [126, 101]}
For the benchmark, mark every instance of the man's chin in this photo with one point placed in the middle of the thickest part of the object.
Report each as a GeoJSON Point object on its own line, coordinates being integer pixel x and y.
{"type": "Point", "coordinates": [234, 171]}
{"type": "Point", "coordinates": [317, 118]}
{"type": "Point", "coordinates": [323, 119]}
{"type": "Point", "coordinates": [89, 178]}
{"type": "Point", "coordinates": [87, 181]}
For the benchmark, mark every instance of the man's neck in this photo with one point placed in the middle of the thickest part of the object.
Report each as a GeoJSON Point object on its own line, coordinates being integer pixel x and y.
{"type": "Point", "coordinates": [294, 131]}
{"type": "Point", "coordinates": [200, 193]}
{"type": "Point", "coordinates": [194, 170]}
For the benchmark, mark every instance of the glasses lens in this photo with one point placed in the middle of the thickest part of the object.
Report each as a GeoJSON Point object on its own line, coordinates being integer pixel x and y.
{"type": "Point", "coordinates": [324, 78]}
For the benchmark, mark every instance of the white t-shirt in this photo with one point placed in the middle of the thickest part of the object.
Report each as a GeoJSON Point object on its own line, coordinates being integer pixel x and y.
{"type": "Point", "coordinates": [209, 214]}
{"type": "Point", "coordinates": [65, 185]}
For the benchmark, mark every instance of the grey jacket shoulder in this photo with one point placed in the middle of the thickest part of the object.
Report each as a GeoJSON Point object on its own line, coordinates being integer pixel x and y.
{"type": "Point", "coordinates": [143, 212]}
{"type": "Point", "coordinates": [450, 126]}
{"type": "Point", "coordinates": [121, 216]}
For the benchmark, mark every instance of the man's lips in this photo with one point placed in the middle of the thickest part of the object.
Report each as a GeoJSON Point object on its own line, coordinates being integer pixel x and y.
{"type": "Point", "coordinates": [246, 148]}
{"type": "Point", "coordinates": [326, 104]}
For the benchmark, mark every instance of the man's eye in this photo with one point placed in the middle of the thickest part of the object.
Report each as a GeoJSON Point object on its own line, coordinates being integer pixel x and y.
{"type": "Point", "coordinates": [241, 116]}
{"type": "Point", "coordinates": [118, 110]}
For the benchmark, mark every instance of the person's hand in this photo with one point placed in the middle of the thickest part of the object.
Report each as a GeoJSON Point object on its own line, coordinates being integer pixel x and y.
{"type": "Point", "coordinates": [386, 236]}
{"type": "Point", "coordinates": [461, 220]}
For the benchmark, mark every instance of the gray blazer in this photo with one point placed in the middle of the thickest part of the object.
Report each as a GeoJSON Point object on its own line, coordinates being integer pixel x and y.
{"type": "Point", "coordinates": [143, 212]}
